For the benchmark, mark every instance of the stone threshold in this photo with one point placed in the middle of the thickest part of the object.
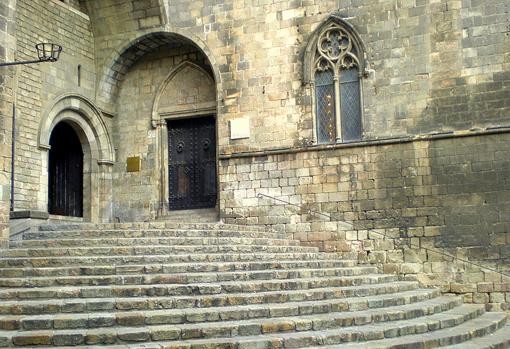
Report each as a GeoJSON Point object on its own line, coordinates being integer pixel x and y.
{"type": "Point", "coordinates": [202, 215]}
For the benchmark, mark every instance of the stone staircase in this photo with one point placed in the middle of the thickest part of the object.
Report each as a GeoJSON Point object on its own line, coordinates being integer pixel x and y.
{"type": "Point", "coordinates": [201, 286]}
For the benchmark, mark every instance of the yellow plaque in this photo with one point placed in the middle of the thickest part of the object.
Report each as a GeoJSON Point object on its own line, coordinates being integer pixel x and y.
{"type": "Point", "coordinates": [133, 164]}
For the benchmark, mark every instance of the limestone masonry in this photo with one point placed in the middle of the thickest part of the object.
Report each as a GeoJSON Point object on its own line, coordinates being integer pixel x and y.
{"type": "Point", "coordinates": [297, 116]}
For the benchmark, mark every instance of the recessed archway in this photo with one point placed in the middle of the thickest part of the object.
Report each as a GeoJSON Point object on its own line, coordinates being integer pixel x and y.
{"type": "Point", "coordinates": [126, 54]}
{"type": "Point", "coordinates": [86, 122]}
{"type": "Point", "coordinates": [185, 71]}
{"type": "Point", "coordinates": [188, 119]}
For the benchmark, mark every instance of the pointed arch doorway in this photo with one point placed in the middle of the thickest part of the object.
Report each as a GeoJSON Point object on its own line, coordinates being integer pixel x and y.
{"type": "Point", "coordinates": [65, 172]}
{"type": "Point", "coordinates": [185, 108]}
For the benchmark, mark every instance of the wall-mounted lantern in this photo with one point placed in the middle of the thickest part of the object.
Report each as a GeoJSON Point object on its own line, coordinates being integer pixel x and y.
{"type": "Point", "coordinates": [47, 52]}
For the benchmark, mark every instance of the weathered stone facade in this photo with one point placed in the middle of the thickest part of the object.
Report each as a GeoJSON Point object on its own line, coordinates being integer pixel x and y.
{"type": "Point", "coordinates": [445, 193]}
{"type": "Point", "coordinates": [7, 46]}
{"type": "Point", "coordinates": [431, 169]}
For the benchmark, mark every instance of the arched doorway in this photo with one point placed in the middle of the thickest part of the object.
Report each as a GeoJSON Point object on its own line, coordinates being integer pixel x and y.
{"type": "Point", "coordinates": [156, 180]}
{"type": "Point", "coordinates": [65, 172]}
{"type": "Point", "coordinates": [186, 104]}
{"type": "Point", "coordinates": [87, 123]}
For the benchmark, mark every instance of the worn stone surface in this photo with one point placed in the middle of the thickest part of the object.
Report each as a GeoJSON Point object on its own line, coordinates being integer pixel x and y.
{"type": "Point", "coordinates": [297, 301]}
{"type": "Point", "coordinates": [437, 84]}
{"type": "Point", "coordinates": [40, 86]}
{"type": "Point", "coordinates": [435, 194]}
{"type": "Point", "coordinates": [7, 78]}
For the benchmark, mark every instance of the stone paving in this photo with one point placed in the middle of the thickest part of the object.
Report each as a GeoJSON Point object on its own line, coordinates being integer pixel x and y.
{"type": "Point", "coordinates": [198, 286]}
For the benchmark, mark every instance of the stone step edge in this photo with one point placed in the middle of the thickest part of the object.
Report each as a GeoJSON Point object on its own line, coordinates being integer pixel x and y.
{"type": "Point", "coordinates": [264, 255]}
{"type": "Point", "coordinates": [193, 289]}
{"type": "Point", "coordinates": [305, 248]}
{"type": "Point", "coordinates": [154, 229]}
{"type": "Point", "coordinates": [355, 308]}
{"type": "Point", "coordinates": [181, 277]}
{"type": "Point", "coordinates": [499, 339]}
{"type": "Point", "coordinates": [149, 225]}
{"type": "Point", "coordinates": [58, 261]}
{"type": "Point", "coordinates": [149, 267]}
{"type": "Point", "coordinates": [152, 233]}
{"type": "Point", "coordinates": [105, 240]}
{"type": "Point", "coordinates": [153, 250]}
{"type": "Point", "coordinates": [488, 322]}
{"type": "Point", "coordinates": [446, 320]}
{"type": "Point", "coordinates": [396, 289]}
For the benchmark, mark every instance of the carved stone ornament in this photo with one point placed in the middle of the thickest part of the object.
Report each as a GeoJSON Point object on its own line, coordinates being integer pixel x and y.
{"type": "Point", "coordinates": [335, 49]}
{"type": "Point", "coordinates": [334, 45]}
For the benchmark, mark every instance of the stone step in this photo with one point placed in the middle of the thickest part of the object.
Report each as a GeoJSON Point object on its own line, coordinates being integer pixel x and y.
{"type": "Point", "coordinates": [184, 278]}
{"type": "Point", "coordinates": [191, 288]}
{"type": "Point", "coordinates": [191, 215]}
{"type": "Point", "coordinates": [485, 326]}
{"type": "Point", "coordinates": [152, 250]}
{"type": "Point", "coordinates": [172, 241]}
{"type": "Point", "coordinates": [170, 268]}
{"type": "Point", "coordinates": [498, 340]}
{"type": "Point", "coordinates": [56, 261]}
{"type": "Point", "coordinates": [435, 324]}
{"type": "Point", "coordinates": [149, 233]}
{"type": "Point", "coordinates": [254, 319]}
{"type": "Point", "coordinates": [151, 225]}
{"type": "Point", "coordinates": [353, 298]}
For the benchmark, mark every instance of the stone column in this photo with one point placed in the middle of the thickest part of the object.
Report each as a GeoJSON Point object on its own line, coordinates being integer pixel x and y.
{"type": "Point", "coordinates": [7, 74]}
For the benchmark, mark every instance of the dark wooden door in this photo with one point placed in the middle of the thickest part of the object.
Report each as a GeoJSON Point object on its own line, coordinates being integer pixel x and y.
{"type": "Point", "coordinates": [65, 171]}
{"type": "Point", "coordinates": [192, 163]}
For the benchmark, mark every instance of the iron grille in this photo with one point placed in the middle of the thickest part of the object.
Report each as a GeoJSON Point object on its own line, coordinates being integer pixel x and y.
{"type": "Point", "coordinates": [351, 106]}
{"type": "Point", "coordinates": [325, 101]}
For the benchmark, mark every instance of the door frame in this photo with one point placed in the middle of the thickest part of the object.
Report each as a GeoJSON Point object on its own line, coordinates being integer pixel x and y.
{"type": "Point", "coordinates": [99, 155]}
{"type": "Point", "coordinates": [159, 125]}
{"type": "Point", "coordinates": [209, 116]}
{"type": "Point", "coordinates": [164, 191]}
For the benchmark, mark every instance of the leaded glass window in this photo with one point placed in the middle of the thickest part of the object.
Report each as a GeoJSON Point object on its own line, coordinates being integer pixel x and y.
{"type": "Point", "coordinates": [336, 71]}
{"type": "Point", "coordinates": [325, 103]}
{"type": "Point", "coordinates": [350, 106]}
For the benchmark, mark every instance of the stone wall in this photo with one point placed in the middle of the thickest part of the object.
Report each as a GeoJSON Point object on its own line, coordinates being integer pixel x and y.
{"type": "Point", "coordinates": [39, 85]}
{"type": "Point", "coordinates": [434, 66]}
{"type": "Point", "coordinates": [438, 70]}
{"type": "Point", "coordinates": [7, 75]}
{"type": "Point", "coordinates": [447, 193]}
{"type": "Point", "coordinates": [416, 84]}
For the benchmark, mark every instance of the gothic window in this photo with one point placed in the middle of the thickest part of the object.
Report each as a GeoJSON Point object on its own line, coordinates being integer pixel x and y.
{"type": "Point", "coordinates": [334, 65]}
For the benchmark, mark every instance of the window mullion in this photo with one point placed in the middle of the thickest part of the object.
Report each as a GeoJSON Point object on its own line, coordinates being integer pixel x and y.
{"type": "Point", "coordinates": [338, 107]}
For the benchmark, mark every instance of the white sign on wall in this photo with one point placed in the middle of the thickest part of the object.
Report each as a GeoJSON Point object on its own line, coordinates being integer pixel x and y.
{"type": "Point", "coordinates": [240, 128]}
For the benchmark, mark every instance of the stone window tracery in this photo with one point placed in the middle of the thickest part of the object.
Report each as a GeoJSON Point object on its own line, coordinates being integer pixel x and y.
{"type": "Point", "coordinates": [334, 66]}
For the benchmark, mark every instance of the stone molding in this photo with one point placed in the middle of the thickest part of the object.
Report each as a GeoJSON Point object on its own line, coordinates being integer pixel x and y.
{"type": "Point", "coordinates": [29, 214]}
{"type": "Point", "coordinates": [116, 64]}
{"type": "Point", "coordinates": [309, 66]}
{"type": "Point", "coordinates": [91, 123]}
{"type": "Point", "coordinates": [157, 116]}
{"type": "Point", "coordinates": [368, 143]}
{"type": "Point", "coordinates": [72, 9]}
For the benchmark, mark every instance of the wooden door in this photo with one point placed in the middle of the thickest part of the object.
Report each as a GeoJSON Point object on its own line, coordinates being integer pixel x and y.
{"type": "Point", "coordinates": [192, 163]}
{"type": "Point", "coordinates": [65, 172]}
